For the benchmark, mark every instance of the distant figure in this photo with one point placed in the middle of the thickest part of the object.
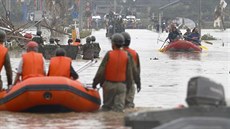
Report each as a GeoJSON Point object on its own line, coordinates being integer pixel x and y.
{"type": "Point", "coordinates": [57, 41]}
{"type": "Point", "coordinates": [5, 60]}
{"type": "Point", "coordinates": [70, 41]}
{"type": "Point", "coordinates": [32, 63]}
{"type": "Point", "coordinates": [77, 42]}
{"type": "Point", "coordinates": [39, 40]}
{"type": "Point", "coordinates": [187, 33]}
{"type": "Point", "coordinates": [52, 41]}
{"type": "Point", "coordinates": [129, 100]}
{"type": "Point", "coordinates": [195, 36]}
{"type": "Point", "coordinates": [96, 47]}
{"type": "Point", "coordinates": [62, 65]}
{"type": "Point", "coordinates": [88, 50]}
{"type": "Point", "coordinates": [174, 34]}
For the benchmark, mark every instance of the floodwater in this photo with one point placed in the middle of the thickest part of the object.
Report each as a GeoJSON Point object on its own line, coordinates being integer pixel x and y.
{"type": "Point", "coordinates": [164, 78]}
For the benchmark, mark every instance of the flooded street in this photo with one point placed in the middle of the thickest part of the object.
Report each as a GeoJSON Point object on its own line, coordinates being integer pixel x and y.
{"type": "Point", "coordinates": [164, 78]}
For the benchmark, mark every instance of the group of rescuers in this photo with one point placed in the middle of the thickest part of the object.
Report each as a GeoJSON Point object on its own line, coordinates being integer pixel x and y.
{"type": "Point", "coordinates": [175, 34]}
{"type": "Point", "coordinates": [90, 49]}
{"type": "Point", "coordinates": [117, 74]}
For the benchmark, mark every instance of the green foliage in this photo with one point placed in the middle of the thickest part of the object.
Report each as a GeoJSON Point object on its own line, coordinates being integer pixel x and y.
{"type": "Point", "coordinates": [207, 37]}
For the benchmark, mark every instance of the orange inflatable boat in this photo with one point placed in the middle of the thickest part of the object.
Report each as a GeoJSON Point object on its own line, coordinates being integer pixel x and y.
{"type": "Point", "coordinates": [49, 94]}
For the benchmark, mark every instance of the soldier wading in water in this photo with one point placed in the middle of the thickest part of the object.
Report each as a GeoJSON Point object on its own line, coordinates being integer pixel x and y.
{"type": "Point", "coordinates": [114, 75]}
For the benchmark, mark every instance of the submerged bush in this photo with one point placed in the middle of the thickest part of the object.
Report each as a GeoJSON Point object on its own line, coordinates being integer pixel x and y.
{"type": "Point", "coordinates": [207, 37]}
{"type": "Point", "coordinates": [85, 33]}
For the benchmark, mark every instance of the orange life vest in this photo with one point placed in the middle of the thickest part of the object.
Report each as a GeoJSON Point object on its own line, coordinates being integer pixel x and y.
{"type": "Point", "coordinates": [60, 66]}
{"type": "Point", "coordinates": [3, 52]}
{"type": "Point", "coordinates": [33, 65]}
{"type": "Point", "coordinates": [76, 44]}
{"type": "Point", "coordinates": [132, 52]}
{"type": "Point", "coordinates": [116, 67]}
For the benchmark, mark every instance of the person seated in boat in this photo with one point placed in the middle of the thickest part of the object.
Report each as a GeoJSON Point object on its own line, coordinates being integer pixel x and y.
{"type": "Point", "coordinates": [88, 50]}
{"type": "Point", "coordinates": [174, 34]}
{"type": "Point", "coordinates": [32, 63]}
{"type": "Point", "coordinates": [62, 65]}
{"type": "Point", "coordinates": [5, 60]}
{"type": "Point", "coordinates": [96, 47]}
{"type": "Point", "coordinates": [187, 33]}
{"type": "Point", "coordinates": [195, 36]}
{"type": "Point", "coordinates": [52, 41]}
{"type": "Point", "coordinates": [70, 41]}
{"type": "Point", "coordinates": [77, 42]}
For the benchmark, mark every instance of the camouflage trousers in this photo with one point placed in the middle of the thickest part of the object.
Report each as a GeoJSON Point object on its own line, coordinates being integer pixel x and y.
{"type": "Point", "coordinates": [114, 96]}
{"type": "Point", "coordinates": [130, 93]}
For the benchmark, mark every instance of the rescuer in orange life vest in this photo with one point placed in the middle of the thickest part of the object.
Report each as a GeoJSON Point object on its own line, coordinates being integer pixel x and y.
{"type": "Point", "coordinates": [114, 75]}
{"type": "Point", "coordinates": [32, 63]}
{"type": "Point", "coordinates": [77, 42]}
{"type": "Point", "coordinates": [5, 60]}
{"type": "Point", "coordinates": [61, 65]}
{"type": "Point", "coordinates": [136, 77]}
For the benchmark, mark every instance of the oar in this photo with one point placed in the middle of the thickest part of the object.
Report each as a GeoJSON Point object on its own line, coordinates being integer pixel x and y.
{"type": "Point", "coordinates": [161, 50]}
{"type": "Point", "coordinates": [208, 42]}
{"type": "Point", "coordinates": [203, 47]}
{"type": "Point", "coordinates": [86, 65]}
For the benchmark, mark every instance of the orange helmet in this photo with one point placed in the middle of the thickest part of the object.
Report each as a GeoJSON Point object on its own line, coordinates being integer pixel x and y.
{"type": "Point", "coordinates": [31, 44]}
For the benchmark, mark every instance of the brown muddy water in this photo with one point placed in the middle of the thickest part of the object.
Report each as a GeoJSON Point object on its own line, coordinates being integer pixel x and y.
{"type": "Point", "coordinates": [164, 81]}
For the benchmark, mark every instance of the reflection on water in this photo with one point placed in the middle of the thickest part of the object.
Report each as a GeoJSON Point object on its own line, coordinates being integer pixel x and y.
{"type": "Point", "coordinates": [184, 55]}
{"type": "Point", "coordinates": [72, 120]}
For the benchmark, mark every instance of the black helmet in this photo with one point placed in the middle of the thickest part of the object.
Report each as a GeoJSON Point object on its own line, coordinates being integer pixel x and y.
{"type": "Point", "coordinates": [78, 40]}
{"type": "Point", "coordinates": [39, 33]}
{"type": "Point", "coordinates": [60, 52]}
{"type": "Point", "coordinates": [70, 40]}
{"type": "Point", "coordinates": [127, 38]}
{"type": "Point", "coordinates": [51, 40]}
{"type": "Point", "coordinates": [88, 40]}
{"type": "Point", "coordinates": [118, 39]}
{"type": "Point", "coordinates": [93, 38]}
{"type": "Point", "coordinates": [2, 36]}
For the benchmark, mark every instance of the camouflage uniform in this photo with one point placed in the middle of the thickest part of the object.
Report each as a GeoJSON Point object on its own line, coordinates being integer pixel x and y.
{"type": "Point", "coordinates": [97, 49]}
{"type": "Point", "coordinates": [113, 92]}
{"type": "Point", "coordinates": [39, 40]}
{"type": "Point", "coordinates": [129, 100]}
{"type": "Point", "coordinates": [88, 51]}
{"type": "Point", "coordinates": [136, 75]}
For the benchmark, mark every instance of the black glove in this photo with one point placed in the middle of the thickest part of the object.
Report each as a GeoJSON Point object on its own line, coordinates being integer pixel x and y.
{"type": "Point", "coordinates": [138, 88]}
{"type": "Point", "coordinates": [94, 85]}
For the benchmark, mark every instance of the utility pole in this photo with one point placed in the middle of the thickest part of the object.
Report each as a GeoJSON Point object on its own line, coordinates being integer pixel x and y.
{"type": "Point", "coordinates": [115, 5]}
{"type": "Point", "coordinates": [160, 21]}
{"type": "Point", "coordinates": [80, 15]}
{"type": "Point", "coordinates": [38, 14]}
{"type": "Point", "coordinates": [199, 17]}
{"type": "Point", "coordinates": [8, 9]}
